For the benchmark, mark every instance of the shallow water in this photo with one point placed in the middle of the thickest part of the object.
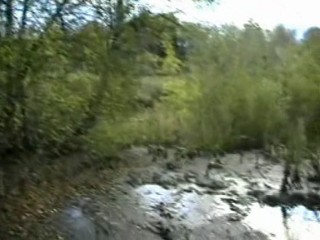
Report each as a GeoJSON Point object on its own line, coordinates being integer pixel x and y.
{"type": "Point", "coordinates": [190, 207]}
{"type": "Point", "coordinates": [75, 225]}
{"type": "Point", "coordinates": [184, 210]}
{"type": "Point", "coordinates": [195, 209]}
{"type": "Point", "coordinates": [282, 223]}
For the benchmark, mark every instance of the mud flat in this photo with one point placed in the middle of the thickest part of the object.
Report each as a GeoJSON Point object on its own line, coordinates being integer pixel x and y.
{"type": "Point", "coordinates": [180, 199]}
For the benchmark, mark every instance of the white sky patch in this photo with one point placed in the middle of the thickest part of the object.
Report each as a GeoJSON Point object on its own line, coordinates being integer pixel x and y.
{"type": "Point", "coordinates": [294, 14]}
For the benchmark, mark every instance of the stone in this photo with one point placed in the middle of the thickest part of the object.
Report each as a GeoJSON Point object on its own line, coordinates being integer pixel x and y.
{"type": "Point", "coordinates": [165, 179]}
{"type": "Point", "coordinates": [257, 193]}
{"type": "Point", "coordinates": [215, 183]}
{"type": "Point", "coordinates": [214, 165]}
{"type": "Point", "coordinates": [190, 176]}
{"type": "Point", "coordinates": [134, 180]}
{"type": "Point", "coordinates": [230, 200]}
{"type": "Point", "coordinates": [156, 177]}
{"type": "Point", "coordinates": [234, 217]}
{"type": "Point", "coordinates": [173, 166]}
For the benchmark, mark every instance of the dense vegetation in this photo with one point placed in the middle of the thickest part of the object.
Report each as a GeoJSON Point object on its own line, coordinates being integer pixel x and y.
{"type": "Point", "coordinates": [101, 75]}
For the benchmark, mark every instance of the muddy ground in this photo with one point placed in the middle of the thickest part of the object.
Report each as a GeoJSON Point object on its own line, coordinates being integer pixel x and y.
{"type": "Point", "coordinates": [174, 196]}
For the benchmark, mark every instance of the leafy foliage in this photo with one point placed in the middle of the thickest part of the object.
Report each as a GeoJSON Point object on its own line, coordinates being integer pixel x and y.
{"type": "Point", "coordinates": [118, 78]}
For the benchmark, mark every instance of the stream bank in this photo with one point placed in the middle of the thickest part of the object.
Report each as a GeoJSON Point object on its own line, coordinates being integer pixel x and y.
{"type": "Point", "coordinates": [169, 194]}
{"type": "Point", "coordinates": [198, 197]}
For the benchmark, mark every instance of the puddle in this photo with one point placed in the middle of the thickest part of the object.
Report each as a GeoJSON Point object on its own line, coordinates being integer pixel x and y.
{"type": "Point", "coordinates": [281, 223]}
{"type": "Point", "coordinates": [195, 208]}
{"type": "Point", "coordinates": [75, 225]}
{"type": "Point", "coordinates": [152, 195]}
{"type": "Point", "coordinates": [191, 208]}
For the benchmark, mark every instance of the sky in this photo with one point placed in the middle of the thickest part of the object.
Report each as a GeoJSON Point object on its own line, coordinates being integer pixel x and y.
{"type": "Point", "coordinates": [294, 14]}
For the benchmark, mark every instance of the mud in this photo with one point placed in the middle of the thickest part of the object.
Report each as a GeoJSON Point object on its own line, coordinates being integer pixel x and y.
{"type": "Point", "coordinates": [193, 198]}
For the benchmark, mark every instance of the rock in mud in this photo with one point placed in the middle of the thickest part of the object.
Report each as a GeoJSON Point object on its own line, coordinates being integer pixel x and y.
{"type": "Point", "coordinates": [166, 179]}
{"type": "Point", "coordinates": [215, 183]}
{"type": "Point", "coordinates": [157, 151]}
{"type": "Point", "coordinates": [163, 211]}
{"type": "Point", "coordinates": [235, 217]}
{"type": "Point", "coordinates": [156, 178]}
{"type": "Point", "coordinates": [257, 193]}
{"type": "Point", "coordinates": [134, 180]}
{"type": "Point", "coordinates": [215, 165]}
{"type": "Point", "coordinates": [239, 209]}
{"type": "Point", "coordinates": [168, 231]}
{"type": "Point", "coordinates": [231, 200]}
{"type": "Point", "coordinates": [258, 189]}
{"type": "Point", "coordinates": [173, 166]}
{"type": "Point", "coordinates": [162, 228]}
{"type": "Point", "coordinates": [190, 176]}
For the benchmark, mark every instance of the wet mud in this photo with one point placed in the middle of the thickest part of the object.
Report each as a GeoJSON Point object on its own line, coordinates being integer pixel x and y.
{"type": "Point", "coordinates": [167, 197]}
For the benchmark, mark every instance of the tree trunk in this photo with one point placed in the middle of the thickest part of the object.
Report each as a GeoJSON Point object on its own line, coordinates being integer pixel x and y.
{"type": "Point", "coordinates": [23, 24]}
{"type": "Point", "coordinates": [15, 110]}
{"type": "Point", "coordinates": [9, 18]}
{"type": "Point", "coordinates": [2, 187]}
{"type": "Point", "coordinates": [16, 119]}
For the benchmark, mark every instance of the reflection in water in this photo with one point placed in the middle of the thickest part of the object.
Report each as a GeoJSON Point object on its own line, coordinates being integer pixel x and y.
{"type": "Point", "coordinates": [285, 223]}
{"type": "Point", "coordinates": [316, 215]}
{"type": "Point", "coordinates": [190, 207]}
{"type": "Point", "coordinates": [75, 225]}
{"type": "Point", "coordinates": [285, 216]}
{"type": "Point", "coordinates": [280, 223]}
